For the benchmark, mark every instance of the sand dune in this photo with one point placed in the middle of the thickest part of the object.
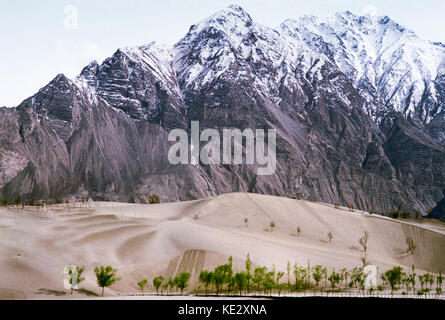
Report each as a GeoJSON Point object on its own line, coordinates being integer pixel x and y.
{"type": "Point", "coordinates": [143, 241]}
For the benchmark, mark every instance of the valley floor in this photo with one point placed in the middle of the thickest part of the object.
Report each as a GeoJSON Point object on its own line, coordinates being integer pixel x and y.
{"type": "Point", "coordinates": [143, 241]}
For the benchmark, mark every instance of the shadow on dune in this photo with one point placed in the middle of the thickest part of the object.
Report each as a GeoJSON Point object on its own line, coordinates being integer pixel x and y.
{"type": "Point", "coordinates": [87, 292]}
{"type": "Point", "coordinates": [51, 292]}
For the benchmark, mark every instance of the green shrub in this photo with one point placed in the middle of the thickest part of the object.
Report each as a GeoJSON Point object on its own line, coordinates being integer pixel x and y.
{"type": "Point", "coordinates": [105, 276]}
{"type": "Point", "coordinates": [181, 281]}
{"type": "Point", "coordinates": [157, 282]}
{"type": "Point", "coordinates": [153, 199]}
{"type": "Point", "coordinates": [394, 214]}
{"type": "Point", "coordinates": [141, 284]}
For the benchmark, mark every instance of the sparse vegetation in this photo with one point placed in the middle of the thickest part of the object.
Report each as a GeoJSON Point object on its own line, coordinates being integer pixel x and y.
{"type": "Point", "coordinates": [364, 241]}
{"type": "Point", "coordinates": [330, 236]}
{"type": "Point", "coordinates": [17, 201]}
{"type": "Point", "coordinates": [75, 277]}
{"type": "Point", "coordinates": [272, 225]}
{"type": "Point", "coordinates": [4, 202]}
{"type": "Point", "coordinates": [206, 278]}
{"type": "Point", "coordinates": [364, 260]}
{"type": "Point", "coordinates": [317, 274]}
{"type": "Point", "coordinates": [157, 283]}
{"type": "Point", "coordinates": [404, 215]}
{"type": "Point", "coordinates": [393, 277]}
{"type": "Point", "coordinates": [142, 284]}
{"type": "Point", "coordinates": [106, 277]}
{"type": "Point", "coordinates": [411, 246]}
{"type": "Point", "coordinates": [222, 279]}
{"type": "Point", "coordinates": [334, 279]}
{"type": "Point", "coordinates": [394, 214]}
{"type": "Point", "coordinates": [181, 281]}
{"type": "Point", "coordinates": [153, 199]}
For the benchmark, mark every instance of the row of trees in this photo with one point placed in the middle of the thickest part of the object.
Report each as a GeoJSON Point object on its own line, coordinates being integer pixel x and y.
{"type": "Point", "coordinates": [223, 280]}
{"type": "Point", "coordinates": [180, 282]}
{"type": "Point", "coordinates": [396, 278]}
{"type": "Point", "coordinates": [19, 202]}
{"type": "Point", "coordinates": [314, 278]}
{"type": "Point", "coordinates": [105, 277]}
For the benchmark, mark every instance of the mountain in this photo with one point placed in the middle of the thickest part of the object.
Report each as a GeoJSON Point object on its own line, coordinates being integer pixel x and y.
{"type": "Point", "coordinates": [357, 102]}
{"type": "Point", "coordinates": [388, 63]}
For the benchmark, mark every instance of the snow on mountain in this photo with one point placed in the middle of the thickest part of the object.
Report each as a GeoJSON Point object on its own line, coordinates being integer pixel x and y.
{"type": "Point", "coordinates": [105, 134]}
{"type": "Point", "coordinates": [230, 44]}
{"type": "Point", "coordinates": [386, 61]}
{"type": "Point", "coordinates": [391, 66]}
{"type": "Point", "coordinates": [132, 80]}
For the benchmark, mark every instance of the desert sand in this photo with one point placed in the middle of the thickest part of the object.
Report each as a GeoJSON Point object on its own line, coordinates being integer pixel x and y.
{"type": "Point", "coordinates": [143, 241]}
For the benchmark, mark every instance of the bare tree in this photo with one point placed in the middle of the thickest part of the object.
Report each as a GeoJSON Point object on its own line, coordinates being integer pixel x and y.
{"type": "Point", "coordinates": [411, 246]}
{"type": "Point", "coordinates": [330, 236]}
{"type": "Point", "coordinates": [364, 241]}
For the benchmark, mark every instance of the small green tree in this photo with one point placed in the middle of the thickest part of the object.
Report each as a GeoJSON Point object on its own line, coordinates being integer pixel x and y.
{"type": "Point", "coordinates": [298, 231]}
{"type": "Point", "coordinates": [288, 274]}
{"type": "Point", "coordinates": [301, 274]}
{"type": "Point", "coordinates": [364, 260]}
{"type": "Point", "coordinates": [394, 277]}
{"type": "Point", "coordinates": [206, 278]}
{"type": "Point", "coordinates": [170, 285]}
{"type": "Point", "coordinates": [17, 201]}
{"type": "Point", "coordinates": [74, 274]}
{"type": "Point", "coordinates": [142, 284]}
{"type": "Point", "coordinates": [334, 278]}
{"type": "Point", "coordinates": [241, 281]}
{"type": "Point", "coordinates": [4, 202]}
{"type": "Point", "coordinates": [412, 278]}
{"type": "Point", "coordinates": [317, 274]}
{"type": "Point", "coordinates": [246, 221]}
{"type": "Point", "coordinates": [429, 280]}
{"type": "Point", "coordinates": [181, 281]}
{"type": "Point", "coordinates": [330, 236]}
{"type": "Point", "coordinates": [157, 283]}
{"type": "Point", "coordinates": [272, 225]}
{"type": "Point", "coordinates": [248, 271]}
{"type": "Point", "coordinates": [106, 277]}
{"type": "Point", "coordinates": [422, 282]}
{"type": "Point", "coordinates": [258, 277]}
{"type": "Point", "coordinates": [153, 199]}
{"type": "Point", "coordinates": [439, 280]}
{"type": "Point", "coordinates": [269, 282]}
{"type": "Point", "coordinates": [344, 274]}
{"type": "Point", "coordinates": [325, 275]}
{"type": "Point", "coordinates": [279, 275]}
{"type": "Point", "coordinates": [394, 214]}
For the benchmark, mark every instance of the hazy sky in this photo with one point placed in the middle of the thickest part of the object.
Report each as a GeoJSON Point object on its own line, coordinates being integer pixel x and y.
{"type": "Point", "coordinates": [39, 39]}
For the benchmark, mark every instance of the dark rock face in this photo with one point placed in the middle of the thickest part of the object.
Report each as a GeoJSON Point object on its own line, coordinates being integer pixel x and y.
{"type": "Point", "coordinates": [439, 211]}
{"type": "Point", "coordinates": [104, 135]}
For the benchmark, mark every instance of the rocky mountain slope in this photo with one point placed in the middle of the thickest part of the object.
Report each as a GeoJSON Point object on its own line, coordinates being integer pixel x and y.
{"type": "Point", "coordinates": [357, 102]}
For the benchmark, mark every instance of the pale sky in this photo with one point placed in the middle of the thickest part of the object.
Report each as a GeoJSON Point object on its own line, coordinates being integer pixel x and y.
{"type": "Point", "coordinates": [38, 41]}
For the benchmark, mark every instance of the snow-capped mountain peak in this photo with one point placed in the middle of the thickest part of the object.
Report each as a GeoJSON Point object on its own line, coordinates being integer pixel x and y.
{"type": "Point", "coordinates": [387, 62]}
{"type": "Point", "coordinates": [392, 67]}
